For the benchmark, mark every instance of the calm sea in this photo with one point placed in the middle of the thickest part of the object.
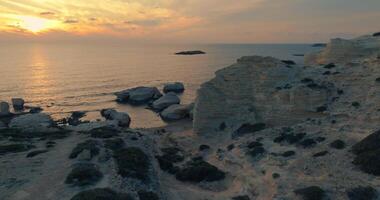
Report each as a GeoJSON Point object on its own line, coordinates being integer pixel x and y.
{"type": "Point", "coordinates": [62, 78]}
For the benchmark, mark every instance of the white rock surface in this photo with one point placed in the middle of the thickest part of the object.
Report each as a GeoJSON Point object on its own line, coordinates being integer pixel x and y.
{"type": "Point", "coordinates": [165, 101]}
{"type": "Point", "coordinates": [256, 90]}
{"type": "Point", "coordinates": [122, 119]}
{"type": "Point", "coordinates": [138, 95]}
{"type": "Point", "coordinates": [18, 103]}
{"type": "Point", "coordinates": [343, 50]}
{"type": "Point", "coordinates": [32, 122]}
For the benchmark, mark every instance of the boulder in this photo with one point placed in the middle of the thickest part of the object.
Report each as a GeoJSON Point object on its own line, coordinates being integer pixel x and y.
{"type": "Point", "coordinates": [376, 34]}
{"type": "Point", "coordinates": [32, 122]}
{"type": "Point", "coordinates": [18, 103]}
{"type": "Point", "coordinates": [138, 95]}
{"type": "Point", "coordinates": [368, 154]}
{"type": "Point", "coordinates": [176, 87]}
{"type": "Point", "coordinates": [4, 109]}
{"type": "Point", "coordinates": [132, 162]}
{"type": "Point", "coordinates": [165, 101]}
{"type": "Point", "coordinates": [175, 112]}
{"type": "Point", "coordinates": [122, 118]}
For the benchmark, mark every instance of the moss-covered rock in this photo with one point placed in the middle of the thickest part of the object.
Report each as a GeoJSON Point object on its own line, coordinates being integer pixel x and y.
{"type": "Point", "coordinates": [90, 145]}
{"type": "Point", "coordinates": [132, 162]}
{"type": "Point", "coordinates": [84, 174]}
{"type": "Point", "coordinates": [199, 170]}
{"type": "Point", "coordinates": [14, 148]}
{"type": "Point", "coordinates": [101, 194]}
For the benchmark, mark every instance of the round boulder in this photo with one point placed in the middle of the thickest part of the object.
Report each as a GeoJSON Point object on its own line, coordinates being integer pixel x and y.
{"type": "Point", "coordinates": [175, 112]}
{"type": "Point", "coordinates": [121, 118]}
{"type": "Point", "coordinates": [166, 101]}
{"type": "Point", "coordinates": [176, 87]}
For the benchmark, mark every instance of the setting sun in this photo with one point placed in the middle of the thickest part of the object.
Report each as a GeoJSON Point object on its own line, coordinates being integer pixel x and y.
{"type": "Point", "coordinates": [35, 24]}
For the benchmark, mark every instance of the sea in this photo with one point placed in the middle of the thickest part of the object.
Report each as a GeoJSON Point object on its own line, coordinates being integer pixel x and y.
{"type": "Point", "coordinates": [66, 77]}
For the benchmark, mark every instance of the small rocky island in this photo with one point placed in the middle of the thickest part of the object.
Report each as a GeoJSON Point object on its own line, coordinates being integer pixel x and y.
{"type": "Point", "coordinates": [262, 128]}
{"type": "Point", "coordinates": [186, 53]}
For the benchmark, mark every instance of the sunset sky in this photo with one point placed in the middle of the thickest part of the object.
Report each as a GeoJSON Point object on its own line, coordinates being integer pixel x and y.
{"type": "Point", "coordinates": [210, 21]}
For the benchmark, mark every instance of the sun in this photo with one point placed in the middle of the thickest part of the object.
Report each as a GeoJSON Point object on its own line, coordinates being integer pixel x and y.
{"type": "Point", "coordinates": [36, 24]}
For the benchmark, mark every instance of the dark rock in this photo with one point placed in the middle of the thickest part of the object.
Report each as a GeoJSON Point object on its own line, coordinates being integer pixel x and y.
{"type": "Point", "coordinates": [362, 193]}
{"type": "Point", "coordinates": [132, 162]}
{"type": "Point", "coordinates": [242, 197]}
{"type": "Point", "coordinates": [145, 195]}
{"type": "Point", "coordinates": [370, 143]}
{"type": "Point", "coordinates": [340, 92]}
{"type": "Point", "coordinates": [222, 126]}
{"type": "Point", "coordinates": [378, 80]}
{"type": "Point", "coordinates": [35, 153]}
{"type": "Point", "coordinates": [311, 193]}
{"type": "Point", "coordinates": [330, 66]}
{"type": "Point", "coordinates": [84, 174]}
{"type": "Point", "coordinates": [338, 144]}
{"type": "Point", "coordinates": [320, 154]}
{"type": "Point", "coordinates": [376, 34]}
{"type": "Point", "coordinates": [320, 139]}
{"type": "Point", "coordinates": [14, 148]}
{"type": "Point", "coordinates": [138, 95]}
{"type": "Point", "coordinates": [307, 80]}
{"type": "Point", "coordinates": [275, 175]}
{"type": "Point", "coordinates": [230, 147]}
{"type": "Point", "coordinates": [308, 143]}
{"type": "Point", "coordinates": [290, 138]}
{"type": "Point", "coordinates": [288, 153]}
{"type": "Point", "coordinates": [321, 109]}
{"type": "Point", "coordinates": [101, 194]}
{"type": "Point", "coordinates": [114, 144]}
{"type": "Point", "coordinates": [355, 104]}
{"type": "Point", "coordinates": [196, 52]}
{"type": "Point", "coordinates": [171, 155]}
{"type": "Point", "coordinates": [248, 128]}
{"type": "Point", "coordinates": [369, 162]}
{"type": "Point", "coordinates": [254, 144]}
{"type": "Point", "coordinates": [90, 145]}
{"type": "Point", "coordinates": [104, 132]}
{"type": "Point", "coordinates": [326, 73]}
{"type": "Point", "coordinates": [203, 147]}
{"type": "Point", "coordinates": [34, 110]}
{"type": "Point", "coordinates": [198, 171]}
{"type": "Point", "coordinates": [288, 62]}
{"type": "Point", "coordinates": [256, 151]}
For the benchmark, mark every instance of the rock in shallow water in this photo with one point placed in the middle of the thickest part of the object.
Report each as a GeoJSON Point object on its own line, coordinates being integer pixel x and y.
{"type": "Point", "coordinates": [4, 109]}
{"type": "Point", "coordinates": [165, 101]}
{"type": "Point", "coordinates": [176, 87]}
{"type": "Point", "coordinates": [138, 95]}
{"type": "Point", "coordinates": [18, 103]}
{"type": "Point", "coordinates": [121, 118]}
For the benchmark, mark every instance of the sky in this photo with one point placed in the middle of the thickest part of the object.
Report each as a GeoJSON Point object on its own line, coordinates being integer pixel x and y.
{"type": "Point", "coordinates": [188, 21]}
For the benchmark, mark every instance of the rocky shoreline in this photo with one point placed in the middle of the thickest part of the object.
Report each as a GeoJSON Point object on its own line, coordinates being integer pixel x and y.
{"type": "Point", "coordinates": [263, 128]}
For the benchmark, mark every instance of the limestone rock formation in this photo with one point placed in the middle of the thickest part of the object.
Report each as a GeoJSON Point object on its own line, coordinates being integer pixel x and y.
{"type": "Point", "coordinates": [344, 50]}
{"type": "Point", "coordinates": [257, 90]}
